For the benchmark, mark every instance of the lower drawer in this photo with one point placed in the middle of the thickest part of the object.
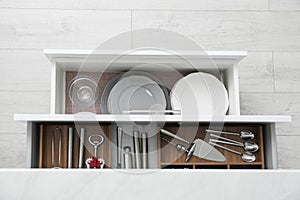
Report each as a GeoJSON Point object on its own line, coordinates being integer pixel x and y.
{"type": "Point", "coordinates": [45, 151]}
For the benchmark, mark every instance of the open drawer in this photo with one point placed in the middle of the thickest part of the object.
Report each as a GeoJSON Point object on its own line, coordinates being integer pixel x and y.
{"type": "Point", "coordinates": [160, 155]}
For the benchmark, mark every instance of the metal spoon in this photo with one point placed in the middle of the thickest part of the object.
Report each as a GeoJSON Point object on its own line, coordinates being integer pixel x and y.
{"type": "Point", "coordinates": [251, 146]}
{"type": "Point", "coordinates": [244, 134]}
{"type": "Point", "coordinates": [248, 145]}
{"type": "Point", "coordinates": [246, 156]}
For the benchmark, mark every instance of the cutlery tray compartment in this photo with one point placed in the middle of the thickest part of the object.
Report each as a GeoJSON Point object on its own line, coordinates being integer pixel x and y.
{"type": "Point", "coordinates": [160, 153]}
{"type": "Point", "coordinates": [45, 150]}
{"type": "Point", "coordinates": [169, 156]}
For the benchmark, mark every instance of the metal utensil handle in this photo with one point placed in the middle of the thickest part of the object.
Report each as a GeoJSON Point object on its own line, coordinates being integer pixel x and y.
{"type": "Point", "coordinates": [225, 142]}
{"type": "Point", "coordinates": [236, 143]}
{"type": "Point", "coordinates": [224, 132]}
{"type": "Point", "coordinates": [127, 158]}
{"type": "Point", "coordinates": [179, 147]}
{"type": "Point", "coordinates": [144, 150]}
{"type": "Point", "coordinates": [80, 160]}
{"type": "Point", "coordinates": [222, 147]}
{"type": "Point", "coordinates": [119, 146]}
{"type": "Point", "coordinates": [137, 149]}
{"type": "Point", "coordinates": [70, 147]}
{"type": "Point", "coordinates": [174, 136]}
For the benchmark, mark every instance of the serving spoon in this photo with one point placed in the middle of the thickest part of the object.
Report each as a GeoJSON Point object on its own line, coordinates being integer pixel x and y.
{"type": "Point", "coordinates": [244, 134]}
{"type": "Point", "coordinates": [246, 155]}
{"type": "Point", "coordinates": [248, 145]}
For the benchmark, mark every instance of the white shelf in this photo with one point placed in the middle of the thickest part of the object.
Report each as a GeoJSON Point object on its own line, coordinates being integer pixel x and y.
{"type": "Point", "coordinates": [91, 60]}
{"type": "Point", "coordinates": [149, 118]}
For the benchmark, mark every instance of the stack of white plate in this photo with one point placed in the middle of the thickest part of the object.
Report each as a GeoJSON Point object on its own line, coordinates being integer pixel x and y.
{"type": "Point", "coordinates": [199, 94]}
{"type": "Point", "coordinates": [195, 94]}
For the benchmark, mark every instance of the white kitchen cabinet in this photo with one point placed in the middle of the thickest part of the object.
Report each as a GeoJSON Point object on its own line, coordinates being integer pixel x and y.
{"type": "Point", "coordinates": [222, 64]}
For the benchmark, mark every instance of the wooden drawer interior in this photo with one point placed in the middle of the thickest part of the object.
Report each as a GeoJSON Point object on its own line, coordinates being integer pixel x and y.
{"type": "Point", "coordinates": [171, 158]}
{"type": "Point", "coordinates": [167, 155]}
{"type": "Point", "coordinates": [45, 145]}
{"type": "Point", "coordinates": [168, 79]}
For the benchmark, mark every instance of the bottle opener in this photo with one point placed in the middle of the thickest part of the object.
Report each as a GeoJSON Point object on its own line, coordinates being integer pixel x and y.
{"type": "Point", "coordinates": [95, 140]}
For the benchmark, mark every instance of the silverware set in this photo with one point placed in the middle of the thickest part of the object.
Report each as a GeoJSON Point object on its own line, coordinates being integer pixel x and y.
{"type": "Point", "coordinates": [56, 149]}
{"type": "Point", "coordinates": [248, 145]}
{"type": "Point", "coordinates": [135, 157]}
{"type": "Point", "coordinates": [197, 148]}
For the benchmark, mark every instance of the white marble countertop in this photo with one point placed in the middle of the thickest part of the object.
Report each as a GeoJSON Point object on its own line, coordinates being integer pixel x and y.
{"type": "Point", "coordinates": [150, 184]}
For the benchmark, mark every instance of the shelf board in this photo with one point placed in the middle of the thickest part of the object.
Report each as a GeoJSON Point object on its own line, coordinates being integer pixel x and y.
{"type": "Point", "coordinates": [92, 60]}
{"type": "Point", "coordinates": [90, 117]}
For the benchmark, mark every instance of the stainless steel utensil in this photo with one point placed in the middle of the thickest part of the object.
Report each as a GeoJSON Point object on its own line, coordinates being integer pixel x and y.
{"type": "Point", "coordinates": [119, 146]}
{"type": "Point", "coordinates": [246, 156]}
{"type": "Point", "coordinates": [128, 158]}
{"type": "Point", "coordinates": [189, 151]}
{"type": "Point", "coordinates": [56, 136]}
{"type": "Point", "coordinates": [137, 150]}
{"type": "Point", "coordinates": [199, 148]}
{"type": "Point", "coordinates": [244, 134]}
{"type": "Point", "coordinates": [81, 145]}
{"type": "Point", "coordinates": [70, 147]}
{"type": "Point", "coordinates": [248, 145]}
{"type": "Point", "coordinates": [96, 140]}
{"type": "Point", "coordinates": [180, 147]}
{"type": "Point", "coordinates": [174, 136]}
{"type": "Point", "coordinates": [144, 151]}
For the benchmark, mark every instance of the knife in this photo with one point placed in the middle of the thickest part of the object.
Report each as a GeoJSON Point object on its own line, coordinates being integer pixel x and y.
{"type": "Point", "coordinates": [201, 148]}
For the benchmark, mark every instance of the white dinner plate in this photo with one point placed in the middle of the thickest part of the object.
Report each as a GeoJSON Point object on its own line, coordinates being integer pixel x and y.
{"type": "Point", "coordinates": [136, 93]}
{"type": "Point", "coordinates": [199, 94]}
{"type": "Point", "coordinates": [104, 98]}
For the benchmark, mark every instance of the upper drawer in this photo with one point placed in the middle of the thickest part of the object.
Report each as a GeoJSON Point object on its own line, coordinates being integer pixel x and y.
{"type": "Point", "coordinates": [164, 65]}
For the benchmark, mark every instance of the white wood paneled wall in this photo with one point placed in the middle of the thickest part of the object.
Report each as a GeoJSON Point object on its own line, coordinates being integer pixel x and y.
{"type": "Point", "coordinates": [268, 29]}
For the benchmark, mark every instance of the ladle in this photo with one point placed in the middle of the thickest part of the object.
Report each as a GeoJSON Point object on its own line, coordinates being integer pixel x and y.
{"type": "Point", "coordinates": [244, 134]}
{"type": "Point", "coordinates": [248, 145]}
{"type": "Point", "coordinates": [246, 156]}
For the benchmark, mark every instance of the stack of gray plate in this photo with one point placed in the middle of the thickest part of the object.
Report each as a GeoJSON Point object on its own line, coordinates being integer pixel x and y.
{"type": "Point", "coordinates": [134, 91]}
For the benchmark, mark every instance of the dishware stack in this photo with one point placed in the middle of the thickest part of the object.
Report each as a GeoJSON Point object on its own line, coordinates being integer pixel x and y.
{"type": "Point", "coordinates": [140, 92]}
{"type": "Point", "coordinates": [199, 94]}
{"type": "Point", "coordinates": [135, 92]}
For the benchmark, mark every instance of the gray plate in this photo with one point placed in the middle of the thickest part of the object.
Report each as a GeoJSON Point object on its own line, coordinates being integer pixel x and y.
{"type": "Point", "coordinates": [136, 92]}
{"type": "Point", "coordinates": [115, 79]}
